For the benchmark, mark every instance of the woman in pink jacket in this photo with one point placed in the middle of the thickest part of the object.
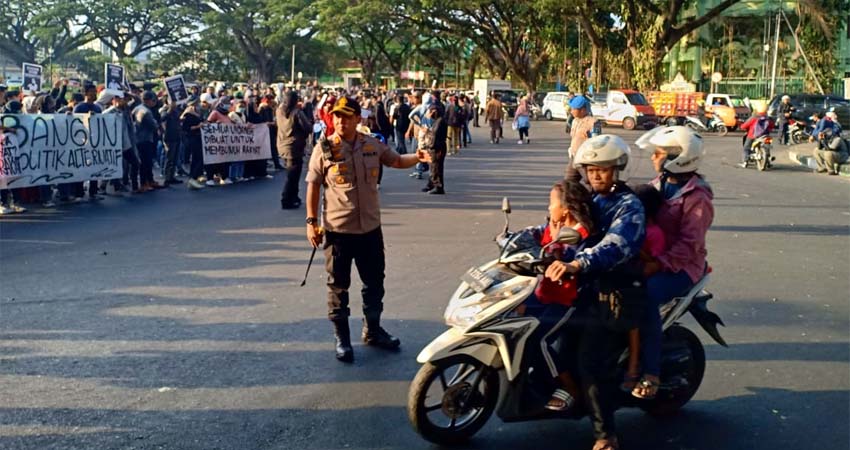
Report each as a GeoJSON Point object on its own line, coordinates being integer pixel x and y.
{"type": "Point", "coordinates": [685, 216]}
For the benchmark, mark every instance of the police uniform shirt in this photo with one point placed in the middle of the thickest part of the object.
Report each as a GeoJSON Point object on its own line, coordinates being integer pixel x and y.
{"type": "Point", "coordinates": [349, 174]}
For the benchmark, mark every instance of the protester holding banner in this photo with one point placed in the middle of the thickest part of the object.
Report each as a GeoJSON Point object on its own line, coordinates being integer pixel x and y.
{"type": "Point", "coordinates": [239, 116]}
{"type": "Point", "coordinates": [217, 174]}
{"type": "Point", "coordinates": [293, 129]}
{"type": "Point", "coordinates": [130, 158]}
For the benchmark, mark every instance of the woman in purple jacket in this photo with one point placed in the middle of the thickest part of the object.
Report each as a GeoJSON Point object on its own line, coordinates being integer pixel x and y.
{"type": "Point", "coordinates": [684, 217]}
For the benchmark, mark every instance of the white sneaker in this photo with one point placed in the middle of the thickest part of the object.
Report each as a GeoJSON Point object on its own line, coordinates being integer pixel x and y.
{"type": "Point", "coordinates": [4, 210]}
{"type": "Point", "coordinates": [269, 177]}
{"type": "Point", "coordinates": [194, 184]}
{"type": "Point", "coordinates": [519, 142]}
{"type": "Point", "coordinates": [227, 181]}
{"type": "Point", "coordinates": [49, 204]}
{"type": "Point", "coordinates": [17, 209]}
{"type": "Point", "coordinates": [211, 183]}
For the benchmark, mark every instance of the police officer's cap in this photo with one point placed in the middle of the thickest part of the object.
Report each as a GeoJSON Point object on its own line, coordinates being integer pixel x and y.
{"type": "Point", "coordinates": [346, 106]}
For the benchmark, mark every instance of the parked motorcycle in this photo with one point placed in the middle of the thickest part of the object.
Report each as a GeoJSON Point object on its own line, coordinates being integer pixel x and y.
{"type": "Point", "coordinates": [760, 153]}
{"type": "Point", "coordinates": [536, 111]}
{"type": "Point", "coordinates": [479, 365]}
{"type": "Point", "coordinates": [715, 125]}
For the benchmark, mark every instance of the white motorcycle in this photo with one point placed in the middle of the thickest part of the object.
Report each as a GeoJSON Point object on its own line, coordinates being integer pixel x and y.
{"type": "Point", "coordinates": [477, 366]}
{"type": "Point", "coordinates": [715, 125]}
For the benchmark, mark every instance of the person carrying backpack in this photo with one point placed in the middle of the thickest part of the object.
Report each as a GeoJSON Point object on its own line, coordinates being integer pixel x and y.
{"type": "Point", "coordinates": [756, 126]}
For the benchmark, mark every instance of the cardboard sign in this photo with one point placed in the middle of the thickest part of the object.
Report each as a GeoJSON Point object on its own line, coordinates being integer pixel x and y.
{"type": "Point", "coordinates": [113, 78]}
{"type": "Point", "coordinates": [176, 88]}
{"type": "Point", "coordinates": [33, 78]}
{"type": "Point", "coordinates": [230, 142]}
{"type": "Point", "coordinates": [40, 149]}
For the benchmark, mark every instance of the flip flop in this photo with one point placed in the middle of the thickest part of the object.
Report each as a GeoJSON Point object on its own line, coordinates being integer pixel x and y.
{"type": "Point", "coordinates": [630, 382]}
{"type": "Point", "coordinates": [646, 389]}
{"type": "Point", "coordinates": [562, 396]}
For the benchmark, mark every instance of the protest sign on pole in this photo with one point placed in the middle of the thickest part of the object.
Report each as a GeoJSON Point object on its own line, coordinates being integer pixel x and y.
{"type": "Point", "coordinates": [113, 78]}
{"type": "Point", "coordinates": [176, 88]}
{"type": "Point", "coordinates": [39, 149]}
{"type": "Point", "coordinates": [230, 142]}
{"type": "Point", "coordinates": [33, 77]}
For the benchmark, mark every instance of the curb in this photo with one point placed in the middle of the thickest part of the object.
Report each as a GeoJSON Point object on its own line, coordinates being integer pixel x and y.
{"type": "Point", "coordinates": [806, 160]}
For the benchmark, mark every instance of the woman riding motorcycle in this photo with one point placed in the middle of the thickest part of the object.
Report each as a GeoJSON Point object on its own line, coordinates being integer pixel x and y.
{"type": "Point", "coordinates": [620, 222]}
{"type": "Point", "coordinates": [685, 216]}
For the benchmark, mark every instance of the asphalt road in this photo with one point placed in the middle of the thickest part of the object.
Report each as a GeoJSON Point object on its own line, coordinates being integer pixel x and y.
{"type": "Point", "coordinates": [174, 319]}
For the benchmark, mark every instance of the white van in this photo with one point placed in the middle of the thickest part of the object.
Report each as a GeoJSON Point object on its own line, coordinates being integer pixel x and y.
{"type": "Point", "coordinates": [554, 106]}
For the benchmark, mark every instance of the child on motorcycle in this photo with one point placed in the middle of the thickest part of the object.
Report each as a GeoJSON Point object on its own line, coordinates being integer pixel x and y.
{"type": "Point", "coordinates": [653, 245]}
{"type": "Point", "coordinates": [569, 206]}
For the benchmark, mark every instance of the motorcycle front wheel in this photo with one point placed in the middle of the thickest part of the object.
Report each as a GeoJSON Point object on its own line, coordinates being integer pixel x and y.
{"type": "Point", "coordinates": [451, 399]}
{"type": "Point", "coordinates": [670, 400]}
{"type": "Point", "coordinates": [721, 130]}
{"type": "Point", "coordinates": [797, 138]}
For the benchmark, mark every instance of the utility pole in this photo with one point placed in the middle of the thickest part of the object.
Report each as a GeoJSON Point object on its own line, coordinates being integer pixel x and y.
{"type": "Point", "coordinates": [775, 55]}
{"type": "Point", "coordinates": [292, 67]}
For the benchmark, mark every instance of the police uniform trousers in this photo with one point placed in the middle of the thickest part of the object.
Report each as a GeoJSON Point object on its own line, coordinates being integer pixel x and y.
{"type": "Point", "coordinates": [367, 252]}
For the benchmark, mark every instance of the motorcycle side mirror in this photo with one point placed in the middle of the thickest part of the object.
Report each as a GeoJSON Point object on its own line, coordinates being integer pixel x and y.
{"type": "Point", "coordinates": [568, 236]}
{"type": "Point", "coordinates": [506, 205]}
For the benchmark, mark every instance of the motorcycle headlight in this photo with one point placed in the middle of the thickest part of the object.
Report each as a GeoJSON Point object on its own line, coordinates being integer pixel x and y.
{"type": "Point", "coordinates": [466, 311]}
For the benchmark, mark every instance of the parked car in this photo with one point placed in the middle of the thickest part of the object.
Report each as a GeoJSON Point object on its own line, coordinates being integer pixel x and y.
{"type": "Point", "coordinates": [808, 104]}
{"type": "Point", "coordinates": [554, 105]}
{"type": "Point", "coordinates": [509, 99]}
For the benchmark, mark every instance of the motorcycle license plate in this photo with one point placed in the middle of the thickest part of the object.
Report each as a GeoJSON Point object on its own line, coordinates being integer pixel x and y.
{"type": "Point", "coordinates": [477, 280]}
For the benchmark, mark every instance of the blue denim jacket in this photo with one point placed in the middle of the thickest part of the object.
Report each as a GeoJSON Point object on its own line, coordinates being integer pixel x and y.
{"type": "Point", "coordinates": [621, 224]}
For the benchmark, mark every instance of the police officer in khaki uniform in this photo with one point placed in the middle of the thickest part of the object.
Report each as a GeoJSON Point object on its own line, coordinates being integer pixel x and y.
{"type": "Point", "coordinates": [347, 165]}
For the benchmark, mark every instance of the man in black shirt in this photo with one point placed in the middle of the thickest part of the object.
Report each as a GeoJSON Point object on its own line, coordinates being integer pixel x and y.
{"type": "Point", "coordinates": [400, 116]}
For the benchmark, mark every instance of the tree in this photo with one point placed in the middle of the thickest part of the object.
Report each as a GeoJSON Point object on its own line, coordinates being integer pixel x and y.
{"type": "Point", "coordinates": [132, 27]}
{"type": "Point", "coordinates": [37, 31]}
{"type": "Point", "coordinates": [511, 28]}
{"type": "Point", "coordinates": [653, 27]}
{"type": "Point", "coordinates": [369, 33]}
{"type": "Point", "coordinates": [263, 30]}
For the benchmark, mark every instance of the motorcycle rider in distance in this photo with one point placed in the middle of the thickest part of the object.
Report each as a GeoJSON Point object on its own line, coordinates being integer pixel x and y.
{"type": "Point", "coordinates": [701, 112]}
{"type": "Point", "coordinates": [756, 126]}
{"type": "Point", "coordinates": [620, 234]}
{"type": "Point", "coordinates": [684, 217]}
{"type": "Point", "coordinates": [785, 110]}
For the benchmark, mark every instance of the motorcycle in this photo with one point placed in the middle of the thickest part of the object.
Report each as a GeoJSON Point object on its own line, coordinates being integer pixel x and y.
{"type": "Point", "coordinates": [760, 153]}
{"type": "Point", "coordinates": [715, 125]}
{"type": "Point", "coordinates": [478, 365]}
{"type": "Point", "coordinates": [799, 131]}
{"type": "Point", "coordinates": [536, 111]}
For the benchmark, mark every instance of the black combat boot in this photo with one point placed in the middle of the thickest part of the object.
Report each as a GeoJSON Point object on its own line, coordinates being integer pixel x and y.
{"type": "Point", "coordinates": [342, 334]}
{"type": "Point", "coordinates": [374, 335]}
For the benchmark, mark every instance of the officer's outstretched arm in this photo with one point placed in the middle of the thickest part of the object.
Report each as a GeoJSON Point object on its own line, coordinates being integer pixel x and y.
{"type": "Point", "coordinates": [410, 160]}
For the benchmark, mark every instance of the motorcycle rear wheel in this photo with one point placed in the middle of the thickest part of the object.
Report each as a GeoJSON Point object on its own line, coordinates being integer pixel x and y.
{"type": "Point", "coordinates": [454, 384]}
{"type": "Point", "coordinates": [762, 158]}
{"type": "Point", "coordinates": [797, 138]}
{"type": "Point", "coordinates": [722, 130]}
{"type": "Point", "coordinates": [669, 403]}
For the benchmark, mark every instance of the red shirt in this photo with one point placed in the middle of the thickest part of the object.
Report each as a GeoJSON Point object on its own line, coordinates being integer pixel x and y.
{"type": "Point", "coordinates": [750, 125]}
{"type": "Point", "coordinates": [565, 293]}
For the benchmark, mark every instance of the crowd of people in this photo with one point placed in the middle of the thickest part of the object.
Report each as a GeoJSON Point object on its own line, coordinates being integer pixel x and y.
{"type": "Point", "coordinates": [164, 138]}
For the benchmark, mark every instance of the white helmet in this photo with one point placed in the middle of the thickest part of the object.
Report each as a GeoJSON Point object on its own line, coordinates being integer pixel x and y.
{"type": "Point", "coordinates": [785, 97]}
{"type": "Point", "coordinates": [683, 145]}
{"type": "Point", "coordinates": [605, 150]}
